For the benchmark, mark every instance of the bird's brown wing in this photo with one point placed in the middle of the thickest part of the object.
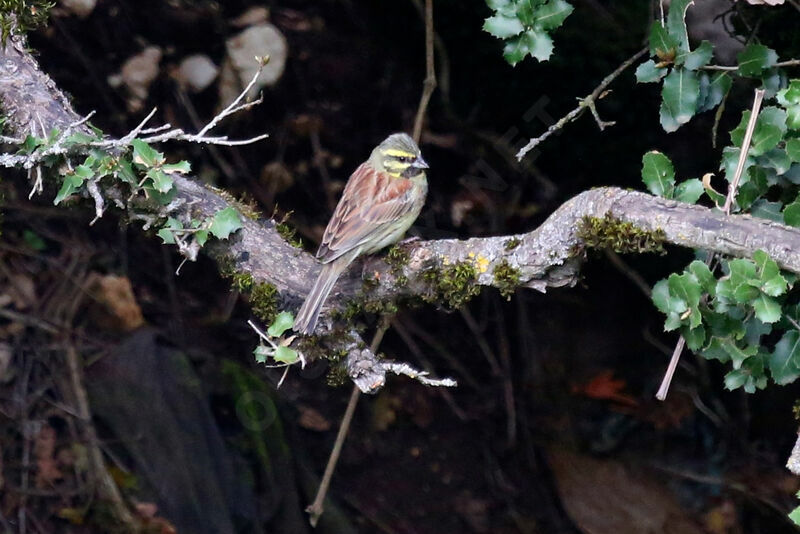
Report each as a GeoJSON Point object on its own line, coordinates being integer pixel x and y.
{"type": "Point", "coordinates": [371, 201]}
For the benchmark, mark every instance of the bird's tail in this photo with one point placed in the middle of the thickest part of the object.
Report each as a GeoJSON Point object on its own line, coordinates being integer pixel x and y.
{"type": "Point", "coordinates": [306, 319]}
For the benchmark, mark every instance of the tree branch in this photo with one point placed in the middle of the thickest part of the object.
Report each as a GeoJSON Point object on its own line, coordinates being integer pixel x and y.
{"type": "Point", "coordinates": [549, 256]}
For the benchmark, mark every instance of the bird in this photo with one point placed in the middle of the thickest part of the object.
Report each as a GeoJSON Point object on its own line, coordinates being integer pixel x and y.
{"type": "Point", "coordinates": [381, 200]}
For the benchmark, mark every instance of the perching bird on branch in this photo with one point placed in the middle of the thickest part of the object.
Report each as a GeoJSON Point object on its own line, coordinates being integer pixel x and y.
{"type": "Point", "coordinates": [381, 200]}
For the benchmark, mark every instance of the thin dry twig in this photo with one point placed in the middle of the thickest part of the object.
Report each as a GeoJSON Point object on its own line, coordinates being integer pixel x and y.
{"type": "Point", "coordinates": [429, 84]}
{"type": "Point", "coordinates": [316, 508]}
{"type": "Point", "coordinates": [731, 68]}
{"type": "Point", "coordinates": [587, 102]}
{"type": "Point", "coordinates": [729, 200]}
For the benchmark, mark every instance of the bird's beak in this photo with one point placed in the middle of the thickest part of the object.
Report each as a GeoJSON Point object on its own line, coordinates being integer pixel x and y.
{"type": "Point", "coordinates": [421, 163]}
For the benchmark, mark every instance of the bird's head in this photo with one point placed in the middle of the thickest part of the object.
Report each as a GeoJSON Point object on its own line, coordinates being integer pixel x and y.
{"type": "Point", "coordinates": [399, 156]}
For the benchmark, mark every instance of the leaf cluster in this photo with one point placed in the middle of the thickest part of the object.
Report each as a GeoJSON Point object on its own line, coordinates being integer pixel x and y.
{"type": "Point", "coordinates": [525, 26]}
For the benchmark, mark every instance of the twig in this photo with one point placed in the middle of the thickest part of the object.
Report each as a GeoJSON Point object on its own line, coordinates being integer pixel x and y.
{"type": "Point", "coordinates": [429, 85]}
{"type": "Point", "coordinates": [731, 68]}
{"type": "Point", "coordinates": [106, 488]}
{"type": "Point", "coordinates": [316, 508]}
{"type": "Point", "coordinates": [732, 188]}
{"type": "Point", "coordinates": [588, 102]}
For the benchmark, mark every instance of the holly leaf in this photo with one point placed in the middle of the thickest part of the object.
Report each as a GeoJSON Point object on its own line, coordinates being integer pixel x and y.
{"type": "Point", "coordinates": [552, 14]}
{"type": "Point", "coordinates": [261, 353]}
{"type": "Point", "coordinates": [72, 182]}
{"type": "Point", "coordinates": [689, 191]}
{"type": "Point", "coordinates": [283, 322]}
{"type": "Point", "coordinates": [161, 180]}
{"type": "Point", "coordinates": [285, 355]}
{"type": "Point", "coordinates": [679, 97]}
{"type": "Point", "coordinates": [697, 58]}
{"type": "Point", "coordinates": [225, 222]}
{"type": "Point", "coordinates": [658, 174]}
{"type": "Point", "coordinates": [668, 304]}
{"type": "Point", "coordinates": [182, 167]}
{"type": "Point", "coordinates": [784, 362]}
{"type": "Point", "coordinates": [767, 309]}
{"type": "Point", "coordinates": [755, 59]}
{"type": "Point", "coordinates": [648, 72]}
{"type": "Point", "coordinates": [145, 155]}
{"type": "Point", "coordinates": [676, 23]}
{"type": "Point", "coordinates": [712, 90]}
{"type": "Point", "coordinates": [789, 98]}
{"type": "Point", "coordinates": [793, 149]}
{"type": "Point", "coordinates": [502, 26]}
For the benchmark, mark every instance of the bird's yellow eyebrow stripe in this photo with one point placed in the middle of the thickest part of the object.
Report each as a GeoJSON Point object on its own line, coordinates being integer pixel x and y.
{"type": "Point", "coordinates": [395, 153]}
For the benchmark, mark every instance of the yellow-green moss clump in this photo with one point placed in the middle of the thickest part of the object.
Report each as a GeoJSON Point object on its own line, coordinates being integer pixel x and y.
{"type": "Point", "coordinates": [452, 285]}
{"type": "Point", "coordinates": [242, 282]}
{"type": "Point", "coordinates": [287, 232]}
{"type": "Point", "coordinates": [397, 258]}
{"type": "Point", "coordinates": [264, 301]}
{"type": "Point", "coordinates": [506, 279]}
{"type": "Point", "coordinates": [620, 236]}
{"type": "Point", "coordinates": [512, 243]}
{"type": "Point", "coordinates": [22, 16]}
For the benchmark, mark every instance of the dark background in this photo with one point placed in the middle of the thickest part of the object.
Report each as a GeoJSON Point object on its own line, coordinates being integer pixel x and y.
{"type": "Point", "coordinates": [554, 427]}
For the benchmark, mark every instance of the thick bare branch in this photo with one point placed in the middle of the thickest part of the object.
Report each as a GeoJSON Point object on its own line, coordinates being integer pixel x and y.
{"type": "Point", "coordinates": [549, 256]}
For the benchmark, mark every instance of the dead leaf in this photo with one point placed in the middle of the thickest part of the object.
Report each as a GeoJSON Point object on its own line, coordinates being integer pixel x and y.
{"type": "Point", "coordinates": [722, 519]}
{"type": "Point", "coordinates": [114, 306]}
{"type": "Point", "coordinates": [605, 497]}
{"type": "Point", "coordinates": [22, 291]}
{"type": "Point", "coordinates": [604, 386]}
{"type": "Point", "coordinates": [311, 419]}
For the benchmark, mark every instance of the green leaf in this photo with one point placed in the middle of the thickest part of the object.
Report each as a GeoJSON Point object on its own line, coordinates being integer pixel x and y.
{"type": "Point", "coordinates": [182, 167]}
{"type": "Point", "coordinates": [793, 149]}
{"type": "Point", "coordinates": [72, 182]}
{"type": "Point", "coordinates": [699, 57]}
{"type": "Point", "coordinates": [552, 14]}
{"type": "Point", "coordinates": [794, 515]}
{"type": "Point", "coordinates": [704, 276]}
{"type": "Point", "coordinates": [784, 362]}
{"type": "Point", "coordinates": [503, 27]}
{"type": "Point", "coordinates": [261, 353]}
{"type": "Point", "coordinates": [145, 155]}
{"type": "Point", "coordinates": [791, 214]}
{"type": "Point", "coordinates": [767, 210]}
{"type": "Point", "coordinates": [730, 159]}
{"type": "Point", "coordinates": [676, 24]}
{"type": "Point", "coordinates": [516, 50]}
{"type": "Point", "coordinates": [161, 180]}
{"type": "Point", "coordinates": [689, 191]}
{"type": "Point", "coordinates": [679, 97]}
{"type": "Point", "coordinates": [167, 233]}
{"type": "Point", "coordinates": [33, 240]}
{"type": "Point", "coordinates": [283, 322]}
{"type": "Point", "coordinates": [540, 45]}
{"type": "Point", "coordinates": [79, 138]}
{"type": "Point", "coordinates": [124, 171]}
{"type": "Point", "coordinates": [755, 59]}
{"type": "Point", "coordinates": [712, 90]}
{"type": "Point", "coordinates": [767, 308]}
{"type": "Point", "coordinates": [789, 98]}
{"type": "Point", "coordinates": [201, 236]}
{"type": "Point", "coordinates": [662, 45]}
{"type": "Point", "coordinates": [225, 222]}
{"type": "Point", "coordinates": [769, 130]}
{"type": "Point", "coordinates": [285, 355]}
{"type": "Point", "coordinates": [695, 337]}
{"type": "Point", "coordinates": [30, 144]}
{"type": "Point", "coordinates": [658, 174]}
{"type": "Point", "coordinates": [668, 304]}
{"type": "Point", "coordinates": [777, 159]}
{"type": "Point", "coordinates": [687, 288]}
{"type": "Point", "coordinates": [648, 72]}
